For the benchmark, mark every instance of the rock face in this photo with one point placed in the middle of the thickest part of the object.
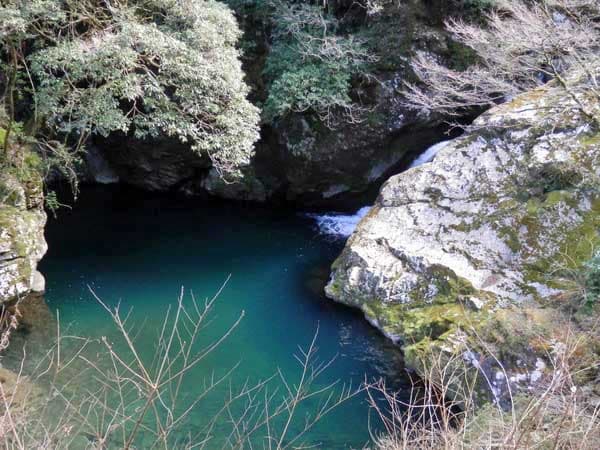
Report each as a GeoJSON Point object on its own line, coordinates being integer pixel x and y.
{"type": "Point", "coordinates": [155, 165]}
{"type": "Point", "coordinates": [22, 243]}
{"type": "Point", "coordinates": [317, 164]}
{"type": "Point", "coordinates": [485, 225]}
{"type": "Point", "coordinates": [166, 165]}
{"type": "Point", "coordinates": [299, 157]}
{"type": "Point", "coordinates": [98, 168]}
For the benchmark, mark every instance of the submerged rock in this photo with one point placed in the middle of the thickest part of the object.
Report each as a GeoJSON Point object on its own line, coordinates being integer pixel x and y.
{"type": "Point", "coordinates": [19, 393]}
{"type": "Point", "coordinates": [22, 243]}
{"type": "Point", "coordinates": [481, 227]}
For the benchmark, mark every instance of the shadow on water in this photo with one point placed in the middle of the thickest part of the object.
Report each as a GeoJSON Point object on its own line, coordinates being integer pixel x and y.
{"type": "Point", "coordinates": [137, 250]}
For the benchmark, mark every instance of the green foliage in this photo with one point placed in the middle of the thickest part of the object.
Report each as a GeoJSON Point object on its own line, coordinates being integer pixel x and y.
{"type": "Point", "coordinates": [29, 168]}
{"type": "Point", "coordinates": [145, 67]}
{"type": "Point", "coordinates": [462, 57]}
{"type": "Point", "coordinates": [52, 204]}
{"type": "Point", "coordinates": [257, 9]}
{"type": "Point", "coordinates": [66, 161]}
{"type": "Point", "coordinates": [311, 64]}
{"type": "Point", "coordinates": [311, 86]}
{"type": "Point", "coordinates": [592, 280]}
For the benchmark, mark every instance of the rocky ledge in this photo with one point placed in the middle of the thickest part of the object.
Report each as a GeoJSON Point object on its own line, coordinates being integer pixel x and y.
{"type": "Point", "coordinates": [474, 240]}
{"type": "Point", "coordinates": [22, 244]}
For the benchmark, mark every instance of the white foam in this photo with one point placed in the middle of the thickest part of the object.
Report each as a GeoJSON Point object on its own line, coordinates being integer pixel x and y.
{"type": "Point", "coordinates": [339, 225]}
{"type": "Point", "coordinates": [429, 154]}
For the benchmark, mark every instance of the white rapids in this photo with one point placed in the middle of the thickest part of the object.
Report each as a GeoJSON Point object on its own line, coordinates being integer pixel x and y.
{"type": "Point", "coordinates": [429, 154]}
{"type": "Point", "coordinates": [341, 226]}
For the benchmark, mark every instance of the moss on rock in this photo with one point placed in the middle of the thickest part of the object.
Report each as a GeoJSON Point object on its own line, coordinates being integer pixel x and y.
{"type": "Point", "coordinates": [464, 255]}
{"type": "Point", "coordinates": [22, 221]}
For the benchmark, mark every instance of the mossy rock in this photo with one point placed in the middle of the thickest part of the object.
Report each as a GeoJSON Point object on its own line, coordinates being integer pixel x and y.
{"type": "Point", "coordinates": [469, 252]}
{"type": "Point", "coordinates": [22, 221]}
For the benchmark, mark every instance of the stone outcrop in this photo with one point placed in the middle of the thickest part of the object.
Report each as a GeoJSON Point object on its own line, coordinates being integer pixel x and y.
{"type": "Point", "coordinates": [486, 225]}
{"type": "Point", "coordinates": [155, 165]}
{"type": "Point", "coordinates": [316, 164]}
{"type": "Point", "coordinates": [98, 169]}
{"type": "Point", "coordinates": [22, 244]}
{"type": "Point", "coordinates": [165, 164]}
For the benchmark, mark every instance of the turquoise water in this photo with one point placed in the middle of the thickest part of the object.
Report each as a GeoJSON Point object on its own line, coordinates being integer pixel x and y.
{"type": "Point", "coordinates": [139, 250]}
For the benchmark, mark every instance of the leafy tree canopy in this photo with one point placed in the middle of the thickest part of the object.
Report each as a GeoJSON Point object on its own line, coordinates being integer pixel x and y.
{"type": "Point", "coordinates": [313, 55]}
{"type": "Point", "coordinates": [145, 67]}
{"type": "Point", "coordinates": [311, 64]}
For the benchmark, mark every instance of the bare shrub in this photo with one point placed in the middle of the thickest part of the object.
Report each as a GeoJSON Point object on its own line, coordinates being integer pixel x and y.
{"type": "Point", "coordinates": [522, 45]}
{"type": "Point", "coordinates": [553, 412]}
{"type": "Point", "coordinates": [113, 395]}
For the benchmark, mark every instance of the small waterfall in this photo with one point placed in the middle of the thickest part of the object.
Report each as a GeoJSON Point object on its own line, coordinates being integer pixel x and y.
{"type": "Point", "coordinates": [429, 154]}
{"type": "Point", "coordinates": [341, 226]}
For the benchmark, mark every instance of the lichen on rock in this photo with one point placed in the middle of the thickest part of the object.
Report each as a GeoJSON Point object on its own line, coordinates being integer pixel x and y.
{"type": "Point", "coordinates": [22, 243]}
{"type": "Point", "coordinates": [481, 228]}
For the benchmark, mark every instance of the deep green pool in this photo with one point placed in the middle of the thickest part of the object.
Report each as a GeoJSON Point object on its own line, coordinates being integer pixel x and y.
{"type": "Point", "coordinates": [140, 249]}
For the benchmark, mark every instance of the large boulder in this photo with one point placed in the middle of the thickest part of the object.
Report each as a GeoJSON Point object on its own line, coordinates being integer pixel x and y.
{"type": "Point", "coordinates": [22, 244]}
{"type": "Point", "coordinates": [486, 225]}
